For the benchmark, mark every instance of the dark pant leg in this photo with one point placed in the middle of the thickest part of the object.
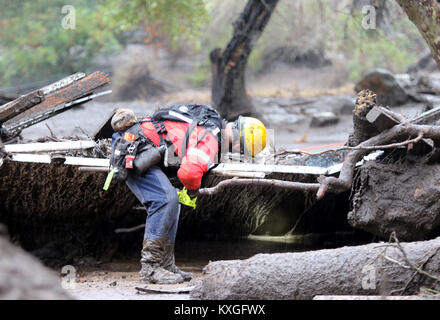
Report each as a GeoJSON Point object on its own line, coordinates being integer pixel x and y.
{"type": "Point", "coordinates": [155, 191]}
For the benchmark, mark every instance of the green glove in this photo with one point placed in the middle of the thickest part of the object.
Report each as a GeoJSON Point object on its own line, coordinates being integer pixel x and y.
{"type": "Point", "coordinates": [109, 179]}
{"type": "Point", "coordinates": [185, 199]}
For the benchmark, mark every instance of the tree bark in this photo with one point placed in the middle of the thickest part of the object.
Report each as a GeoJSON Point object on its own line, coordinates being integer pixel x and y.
{"type": "Point", "coordinates": [228, 66]}
{"type": "Point", "coordinates": [373, 269]}
{"type": "Point", "coordinates": [426, 16]}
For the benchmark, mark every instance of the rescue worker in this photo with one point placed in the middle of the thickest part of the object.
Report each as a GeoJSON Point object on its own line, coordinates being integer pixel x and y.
{"type": "Point", "coordinates": [155, 191]}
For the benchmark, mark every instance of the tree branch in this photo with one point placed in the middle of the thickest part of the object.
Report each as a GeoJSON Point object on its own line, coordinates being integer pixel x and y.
{"type": "Point", "coordinates": [345, 179]}
{"type": "Point", "coordinates": [288, 185]}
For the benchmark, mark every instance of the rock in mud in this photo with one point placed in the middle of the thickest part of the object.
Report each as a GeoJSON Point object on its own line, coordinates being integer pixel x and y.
{"type": "Point", "coordinates": [426, 63]}
{"type": "Point", "coordinates": [324, 119]}
{"type": "Point", "coordinates": [400, 197]}
{"type": "Point", "coordinates": [23, 277]}
{"type": "Point", "coordinates": [429, 84]}
{"type": "Point", "coordinates": [387, 87]}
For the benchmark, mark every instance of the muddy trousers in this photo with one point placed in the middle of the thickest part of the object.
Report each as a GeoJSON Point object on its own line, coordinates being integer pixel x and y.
{"type": "Point", "coordinates": [155, 191]}
{"type": "Point", "coordinates": [158, 195]}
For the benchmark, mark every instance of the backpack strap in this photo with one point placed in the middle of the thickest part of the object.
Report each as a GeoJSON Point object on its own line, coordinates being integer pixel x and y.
{"type": "Point", "coordinates": [159, 131]}
{"type": "Point", "coordinates": [188, 133]}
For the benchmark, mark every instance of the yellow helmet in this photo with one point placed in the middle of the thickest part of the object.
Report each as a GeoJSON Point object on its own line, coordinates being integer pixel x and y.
{"type": "Point", "coordinates": [253, 136]}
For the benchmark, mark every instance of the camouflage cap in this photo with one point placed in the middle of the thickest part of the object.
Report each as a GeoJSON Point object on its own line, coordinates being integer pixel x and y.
{"type": "Point", "coordinates": [123, 119]}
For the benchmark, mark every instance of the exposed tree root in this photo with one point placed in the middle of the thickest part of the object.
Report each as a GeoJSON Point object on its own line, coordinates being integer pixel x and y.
{"type": "Point", "coordinates": [261, 183]}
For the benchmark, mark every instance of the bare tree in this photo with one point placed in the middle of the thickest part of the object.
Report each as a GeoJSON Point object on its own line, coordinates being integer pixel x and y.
{"type": "Point", "coordinates": [228, 66]}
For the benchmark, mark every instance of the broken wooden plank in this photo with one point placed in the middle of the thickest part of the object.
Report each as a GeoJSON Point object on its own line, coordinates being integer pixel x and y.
{"type": "Point", "coordinates": [56, 102]}
{"type": "Point", "coordinates": [29, 100]}
{"type": "Point", "coordinates": [105, 130]}
{"type": "Point", "coordinates": [381, 119]}
{"type": "Point", "coordinates": [62, 83]}
{"type": "Point", "coordinates": [20, 104]}
{"type": "Point", "coordinates": [49, 146]}
{"type": "Point", "coordinates": [427, 117]}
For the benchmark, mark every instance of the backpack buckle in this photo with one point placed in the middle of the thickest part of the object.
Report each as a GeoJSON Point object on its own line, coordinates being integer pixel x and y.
{"type": "Point", "coordinates": [131, 149]}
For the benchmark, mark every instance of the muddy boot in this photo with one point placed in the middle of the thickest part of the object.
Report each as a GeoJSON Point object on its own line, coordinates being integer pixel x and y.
{"type": "Point", "coordinates": [169, 263]}
{"type": "Point", "coordinates": [153, 253]}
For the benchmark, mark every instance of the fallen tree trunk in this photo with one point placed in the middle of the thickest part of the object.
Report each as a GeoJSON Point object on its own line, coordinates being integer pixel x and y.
{"type": "Point", "coordinates": [373, 269]}
{"type": "Point", "coordinates": [362, 128]}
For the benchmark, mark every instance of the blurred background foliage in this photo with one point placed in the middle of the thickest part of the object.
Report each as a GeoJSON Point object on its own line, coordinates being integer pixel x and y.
{"type": "Point", "coordinates": [34, 45]}
{"type": "Point", "coordinates": [311, 33]}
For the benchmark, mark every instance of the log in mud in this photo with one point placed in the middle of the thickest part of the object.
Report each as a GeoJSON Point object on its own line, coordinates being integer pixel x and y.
{"type": "Point", "coordinates": [375, 269]}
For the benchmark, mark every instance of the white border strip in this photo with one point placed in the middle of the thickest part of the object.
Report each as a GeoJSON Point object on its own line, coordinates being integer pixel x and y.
{"type": "Point", "coordinates": [247, 167]}
{"type": "Point", "coordinates": [74, 161]}
{"type": "Point", "coordinates": [255, 170]}
{"type": "Point", "coordinates": [50, 146]}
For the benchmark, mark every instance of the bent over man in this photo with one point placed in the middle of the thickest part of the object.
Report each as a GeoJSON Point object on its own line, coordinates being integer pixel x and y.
{"type": "Point", "coordinates": [190, 137]}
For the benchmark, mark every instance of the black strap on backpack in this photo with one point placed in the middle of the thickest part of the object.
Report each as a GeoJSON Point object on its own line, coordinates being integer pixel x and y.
{"type": "Point", "coordinates": [190, 130]}
{"type": "Point", "coordinates": [159, 131]}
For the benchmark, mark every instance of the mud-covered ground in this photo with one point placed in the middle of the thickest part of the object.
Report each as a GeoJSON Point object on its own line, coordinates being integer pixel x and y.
{"type": "Point", "coordinates": [117, 280]}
